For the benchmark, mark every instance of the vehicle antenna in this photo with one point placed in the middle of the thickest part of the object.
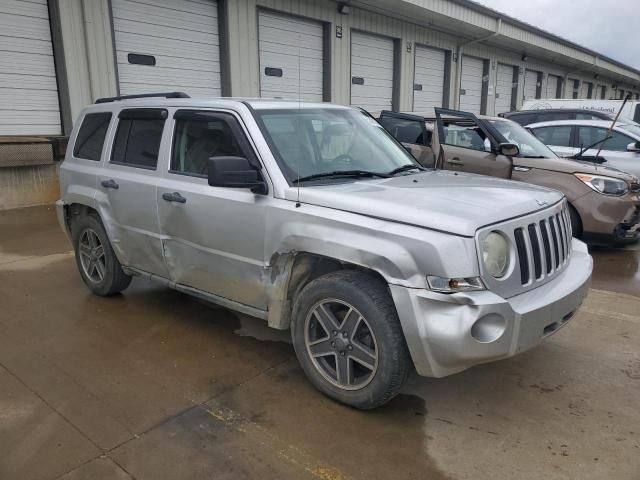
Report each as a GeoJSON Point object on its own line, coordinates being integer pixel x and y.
{"type": "Point", "coordinates": [299, 111]}
{"type": "Point", "coordinates": [613, 124]}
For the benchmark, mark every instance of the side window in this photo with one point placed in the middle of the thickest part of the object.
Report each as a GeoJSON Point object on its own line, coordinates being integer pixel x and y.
{"type": "Point", "coordinates": [90, 139]}
{"type": "Point", "coordinates": [137, 142]}
{"type": "Point", "coordinates": [589, 135]}
{"type": "Point", "coordinates": [525, 119]}
{"type": "Point", "coordinates": [202, 135]}
{"type": "Point", "coordinates": [588, 116]}
{"type": "Point", "coordinates": [556, 136]}
{"type": "Point", "coordinates": [405, 131]}
{"type": "Point", "coordinates": [552, 116]}
{"type": "Point", "coordinates": [466, 136]}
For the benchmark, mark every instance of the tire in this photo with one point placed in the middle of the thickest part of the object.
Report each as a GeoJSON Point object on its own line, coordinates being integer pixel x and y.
{"type": "Point", "coordinates": [576, 222]}
{"type": "Point", "coordinates": [92, 247]}
{"type": "Point", "coordinates": [368, 332]}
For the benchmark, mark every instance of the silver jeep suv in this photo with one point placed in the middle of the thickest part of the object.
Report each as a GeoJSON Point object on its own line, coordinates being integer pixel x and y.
{"type": "Point", "coordinates": [313, 218]}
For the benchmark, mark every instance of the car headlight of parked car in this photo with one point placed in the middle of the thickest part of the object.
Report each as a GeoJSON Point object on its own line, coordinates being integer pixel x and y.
{"type": "Point", "coordinates": [495, 254]}
{"type": "Point", "coordinates": [604, 185]}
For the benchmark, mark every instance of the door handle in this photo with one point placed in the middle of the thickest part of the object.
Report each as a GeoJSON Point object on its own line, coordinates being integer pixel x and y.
{"type": "Point", "coordinates": [455, 161]}
{"type": "Point", "coordinates": [174, 197]}
{"type": "Point", "coordinates": [110, 184]}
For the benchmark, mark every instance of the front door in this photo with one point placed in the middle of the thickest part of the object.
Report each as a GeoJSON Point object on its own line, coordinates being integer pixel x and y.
{"type": "Point", "coordinates": [467, 145]}
{"type": "Point", "coordinates": [127, 190]}
{"type": "Point", "coordinates": [213, 237]}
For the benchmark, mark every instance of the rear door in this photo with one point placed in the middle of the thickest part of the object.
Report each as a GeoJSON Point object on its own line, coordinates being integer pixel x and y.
{"type": "Point", "coordinates": [410, 130]}
{"type": "Point", "coordinates": [467, 144]}
{"type": "Point", "coordinates": [127, 189]}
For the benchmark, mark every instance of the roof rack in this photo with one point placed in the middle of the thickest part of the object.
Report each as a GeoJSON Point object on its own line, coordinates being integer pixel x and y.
{"type": "Point", "coordinates": [143, 95]}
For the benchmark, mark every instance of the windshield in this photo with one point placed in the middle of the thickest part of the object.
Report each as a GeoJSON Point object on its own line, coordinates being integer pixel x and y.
{"type": "Point", "coordinates": [633, 129]}
{"type": "Point", "coordinates": [309, 142]}
{"type": "Point", "coordinates": [528, 144]}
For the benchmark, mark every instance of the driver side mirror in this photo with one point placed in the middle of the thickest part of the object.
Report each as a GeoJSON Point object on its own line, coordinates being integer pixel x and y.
{"type": "Point", "coordinates": [508, 149]}
{"type": "Point", "coordinates": [235, 172]}
{"type": "Point", "coordinates": [633, 147]}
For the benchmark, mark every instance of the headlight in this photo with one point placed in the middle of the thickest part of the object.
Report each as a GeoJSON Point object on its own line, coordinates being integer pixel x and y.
{"type": "Point", "coordinates": [604, 185]}
{"type": "Point", "coordinates": [495, 254]}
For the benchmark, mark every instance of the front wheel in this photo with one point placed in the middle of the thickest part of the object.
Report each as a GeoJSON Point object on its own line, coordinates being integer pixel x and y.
{"type": "Point", "coordinates": [348, 339]}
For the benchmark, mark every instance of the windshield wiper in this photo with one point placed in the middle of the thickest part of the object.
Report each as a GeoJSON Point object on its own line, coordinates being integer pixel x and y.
{"type": "Point", "coordinates": [531, 156]}
{"type": "Point", "coordinates": [341, 174]}
{"type": "Point", "coordinates": [579, 154]}
{"type": "Point", "coordinates": [404, 168]}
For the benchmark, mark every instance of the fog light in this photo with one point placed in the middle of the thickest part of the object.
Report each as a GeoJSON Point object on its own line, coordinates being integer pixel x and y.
{"type": "Point", "coordinates": [489, 328]}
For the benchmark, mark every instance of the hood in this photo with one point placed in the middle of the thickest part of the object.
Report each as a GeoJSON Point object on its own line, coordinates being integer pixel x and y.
{"type": "Point", "coordinates": [458, 203]}
{"type": "Point", "coordinates": [568, 165]}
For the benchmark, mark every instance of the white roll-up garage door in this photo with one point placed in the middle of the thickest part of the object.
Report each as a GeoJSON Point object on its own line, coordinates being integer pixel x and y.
{"type": "Point", "coordinates": [429, 76]}
{"type": "Point", "coordinates": [584, 89]}
{"type": "Point", "coordinates": [600, 92]}
{"type": "Point", "coordinates": [504, 88]}
{"type": "Point", "coordinates": [530, 84]}
{"type": "Point", "coordinates": [164, 45]}
{"type": "Point", "coordinates": [552, 86]}
{"type": "Point", "coordinates": [291, 53]}
{"type": "Point", "coordinates": [371, 72]}
{"type": "Point", "coordinates": [29, 102]}
{"type": "Point", "coordinates": [471, 84]}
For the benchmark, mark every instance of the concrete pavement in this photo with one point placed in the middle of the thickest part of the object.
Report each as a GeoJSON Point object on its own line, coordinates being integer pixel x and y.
{"type": "Point", "coordinates": [154, 384]}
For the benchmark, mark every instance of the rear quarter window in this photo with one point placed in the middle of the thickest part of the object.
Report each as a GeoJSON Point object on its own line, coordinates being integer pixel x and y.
{"type": "Point", "coordinates": [90, 138]}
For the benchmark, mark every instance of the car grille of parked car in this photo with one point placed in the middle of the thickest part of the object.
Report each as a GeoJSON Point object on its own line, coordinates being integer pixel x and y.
{"type": "Point", "coordinates": [541, 250]}
{"type": "Point", "coordinates": [634, 187]}
{"type": "Point", "coordinates": [543, 247]}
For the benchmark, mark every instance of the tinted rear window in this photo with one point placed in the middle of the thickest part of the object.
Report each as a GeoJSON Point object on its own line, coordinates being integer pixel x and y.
{"type": "Point", "coordinates": [405, 131]}
{"type": "Point", "coordinates": [137, 142]}
{"type": "Point", "coordinates": [90, 139]}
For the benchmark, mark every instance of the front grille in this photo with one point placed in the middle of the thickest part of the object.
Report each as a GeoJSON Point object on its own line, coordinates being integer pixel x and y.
{"type": "Point", "coordinates": [541, 249]}
{"type": "Point", "coordinates": [543, 246]}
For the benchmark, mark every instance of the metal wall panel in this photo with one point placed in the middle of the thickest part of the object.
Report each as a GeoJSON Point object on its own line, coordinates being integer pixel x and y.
{"type": "Point", "coordinates": [471, 84]}
{"type": "Point", "coordinates": [553, 81]}
{"type": "Point", "coordinates": [371, 71]}
{"type": "Point", "coordinates": [429, 78]}
{"type": "Point", "coordinates": [504, 88]}
{"type": "Point", "coordinates": [29, 102]}
{"type": "Point", "coordinates": [530, 84]}
{"type": "Point", "coordinates": [294, 47]}
{"type": "Point", "coordinates": [182, 36]}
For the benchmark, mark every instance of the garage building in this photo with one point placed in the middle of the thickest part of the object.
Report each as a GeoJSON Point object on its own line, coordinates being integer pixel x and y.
{"type": "Point", "coordinates": [60, 55]}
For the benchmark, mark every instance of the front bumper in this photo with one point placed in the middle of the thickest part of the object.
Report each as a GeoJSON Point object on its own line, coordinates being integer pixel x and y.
{"type": "Point", "coordinates": [450, 333]}
{"type": "Point", "coordinates": [607, 219]}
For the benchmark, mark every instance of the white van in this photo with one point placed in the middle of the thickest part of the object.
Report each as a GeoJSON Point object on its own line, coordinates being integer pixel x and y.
{"type": "Point", "coordinates": [631, 110]}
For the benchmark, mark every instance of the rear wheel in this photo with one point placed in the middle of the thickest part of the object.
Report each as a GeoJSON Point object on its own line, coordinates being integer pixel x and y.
{"type": "Point", "coordinates": [99, 268]}
{"type": "Point", "coordinates": [348, 339]}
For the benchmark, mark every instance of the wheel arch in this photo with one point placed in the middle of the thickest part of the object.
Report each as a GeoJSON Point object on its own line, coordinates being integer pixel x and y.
{"type": "Point", "coordinates": [292, 271]}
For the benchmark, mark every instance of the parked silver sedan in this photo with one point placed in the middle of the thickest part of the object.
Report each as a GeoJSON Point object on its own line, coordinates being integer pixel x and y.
{"type": "Point", "coordinates": [568, 137]}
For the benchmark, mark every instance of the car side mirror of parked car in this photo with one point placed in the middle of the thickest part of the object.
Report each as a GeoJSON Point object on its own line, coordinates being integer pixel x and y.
{"type": "Point", "coordinates": [235, 172]}
{"type": "Point", "coordinates": [633, 147]}
{"type": "Point", "coordinates": [508, 149]}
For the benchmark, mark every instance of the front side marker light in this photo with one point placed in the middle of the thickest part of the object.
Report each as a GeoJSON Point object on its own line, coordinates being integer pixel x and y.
{"type": "Point", "coordinates": [454, 285]}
